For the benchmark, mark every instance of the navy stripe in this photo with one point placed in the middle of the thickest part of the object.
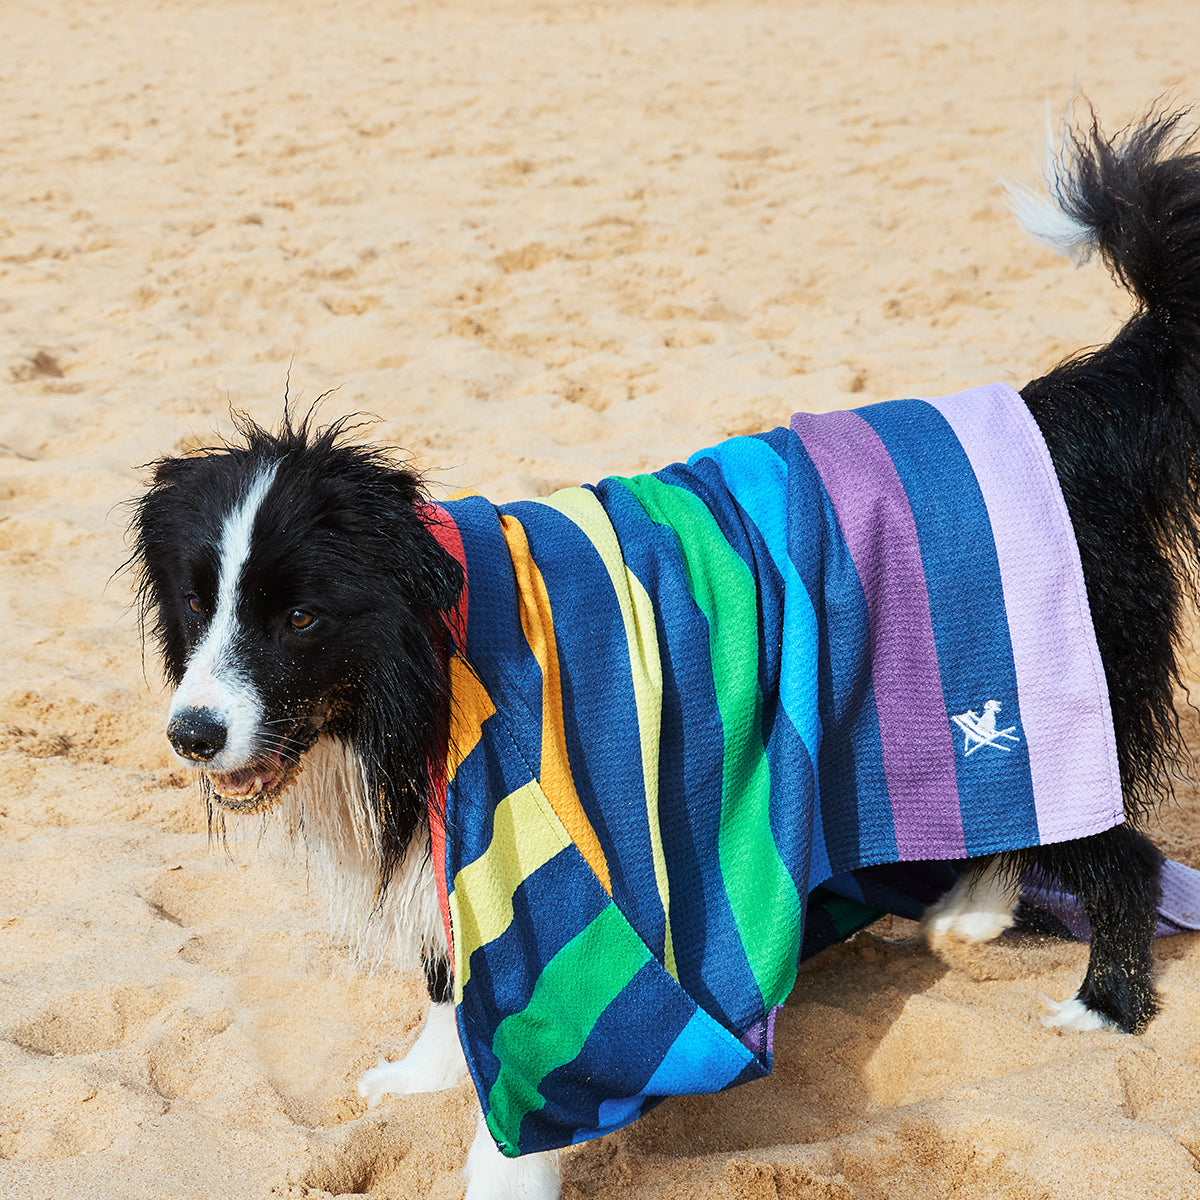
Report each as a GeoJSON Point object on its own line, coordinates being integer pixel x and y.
{"type": "Point", "coordinates": [496, 645]}
{"type": "Point", "coordinates": [691, 762]}
{"type": "Point", "coordinates": [505, 971]}
{"type": "Point", "coordinates": [627, 1044]}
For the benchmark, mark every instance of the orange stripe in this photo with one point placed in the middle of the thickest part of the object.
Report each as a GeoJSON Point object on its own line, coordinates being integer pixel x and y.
{"type": "Point", "coordinates": [538, 624]}
{"type": "Point", "coordinates": [470, 706]}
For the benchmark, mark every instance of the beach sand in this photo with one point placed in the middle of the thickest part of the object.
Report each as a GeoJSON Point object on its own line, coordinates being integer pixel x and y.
{"type": "Point", "coordinates": [540, 242]}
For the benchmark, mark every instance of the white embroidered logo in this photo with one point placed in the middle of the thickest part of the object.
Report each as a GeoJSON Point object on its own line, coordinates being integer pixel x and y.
{"type": "Point", "coordinates": [981, 730]}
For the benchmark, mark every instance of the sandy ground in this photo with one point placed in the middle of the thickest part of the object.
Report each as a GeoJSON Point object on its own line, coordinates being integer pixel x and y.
{"type": "Point", "coordinates": [542, 242]}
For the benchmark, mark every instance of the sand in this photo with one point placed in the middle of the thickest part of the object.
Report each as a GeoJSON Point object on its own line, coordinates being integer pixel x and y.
{"type": "Point", "coordinates": [540, 242]}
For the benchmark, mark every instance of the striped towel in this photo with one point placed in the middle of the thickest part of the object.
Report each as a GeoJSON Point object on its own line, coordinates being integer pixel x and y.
{"type": "Point", "coordinates": [683, 701]}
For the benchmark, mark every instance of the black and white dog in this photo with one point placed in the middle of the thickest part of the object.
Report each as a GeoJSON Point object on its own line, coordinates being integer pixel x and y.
{"type": "Point", "coordinates": [300, 605]}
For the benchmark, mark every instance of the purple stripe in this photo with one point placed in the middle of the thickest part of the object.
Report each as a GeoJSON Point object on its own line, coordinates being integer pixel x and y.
{"type": "Point", "coordinates": [881, 535]}
{"type": "Point", "coordinates": [1061, 691]}
{"type": "Point", "coordinates": [759, 1039]}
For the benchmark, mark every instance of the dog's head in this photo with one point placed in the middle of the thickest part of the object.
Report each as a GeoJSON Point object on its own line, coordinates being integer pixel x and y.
{"type": "Point", "coordinates": [295, 591]}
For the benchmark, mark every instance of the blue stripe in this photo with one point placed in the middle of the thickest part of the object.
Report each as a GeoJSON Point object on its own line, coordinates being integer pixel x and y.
{"type": "Point", "coordinates": [756, 475]}
{"type": "Point", "coordinates": [704, 479]}
{"type": "Point", "coordinates": [702, 1058]}
{"type": "Point", "coordinates": [786, 672]}
{"type": "Point", "coordinates": [754, 469]}
{"type": "Point", "coordinates": [624, 1048]}
{"type": "Point", "coordinates": [966, 600]}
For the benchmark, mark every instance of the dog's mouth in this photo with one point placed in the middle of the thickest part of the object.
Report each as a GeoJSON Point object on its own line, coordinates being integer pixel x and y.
{"type": "Point", "coordinates": [256, 787]}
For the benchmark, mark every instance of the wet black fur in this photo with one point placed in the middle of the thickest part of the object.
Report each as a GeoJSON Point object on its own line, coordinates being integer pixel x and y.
{"type": "Point", "coordinates": [1121, 424]}
{"type": "Point", "coordinates": [343, 537]}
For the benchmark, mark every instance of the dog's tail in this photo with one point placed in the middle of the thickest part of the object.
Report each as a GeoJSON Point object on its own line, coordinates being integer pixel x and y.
{"type": "Point", "coordinates": [1122, 421]}
{"type": "Point", "coordinates": [1135, 199]}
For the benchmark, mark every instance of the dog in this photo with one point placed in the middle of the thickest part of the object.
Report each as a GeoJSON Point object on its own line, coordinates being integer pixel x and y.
{"type": "Point", "coordinates": [308, 600]}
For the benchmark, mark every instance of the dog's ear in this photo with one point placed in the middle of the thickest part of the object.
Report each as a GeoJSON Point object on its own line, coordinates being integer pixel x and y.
{"type": "Point", "coordinates": [443, 576]}
{"type": "Point", "coordinates": [388, 504]}
{"type": "Point", "coordinates": [157, 531]}
{"type": "Point", "coordinates": [434, 574]}
{"type": "Point", "coordinates": [155, 517]}
{"type": "Point", "coordinates": [167, 472]}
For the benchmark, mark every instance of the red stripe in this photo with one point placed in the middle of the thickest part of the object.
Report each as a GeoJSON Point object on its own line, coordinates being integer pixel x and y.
{"type": "Point", "coordinates": [441, 524]}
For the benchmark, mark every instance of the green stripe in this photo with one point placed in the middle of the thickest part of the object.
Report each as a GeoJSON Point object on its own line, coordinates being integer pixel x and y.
{"type": "Point", "coordinates": [846, 916]}
{"type": "Point", "coordinates": [765, 903]}
{"type": "Point", "coordinates": [573, 990]}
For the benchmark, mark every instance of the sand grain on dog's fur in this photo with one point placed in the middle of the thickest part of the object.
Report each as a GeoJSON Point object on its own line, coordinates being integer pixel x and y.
{"type": "Point", "coordinates": [543, 242]}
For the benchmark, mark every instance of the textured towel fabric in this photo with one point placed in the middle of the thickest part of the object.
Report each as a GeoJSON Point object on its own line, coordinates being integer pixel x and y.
{"type": "Point", "coordinates": [685, 700]}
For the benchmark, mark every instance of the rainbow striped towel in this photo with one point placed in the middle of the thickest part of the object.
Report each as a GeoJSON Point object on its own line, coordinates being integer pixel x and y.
{"type": "Point", "coordinates": [685, 700]}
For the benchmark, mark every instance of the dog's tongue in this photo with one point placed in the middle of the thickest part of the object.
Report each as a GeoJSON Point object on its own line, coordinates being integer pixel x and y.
{"type": "Point", "coordinates": [249, 781]}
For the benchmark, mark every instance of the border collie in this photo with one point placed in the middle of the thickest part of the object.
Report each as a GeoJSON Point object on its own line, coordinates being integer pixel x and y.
{"type": "Point", "coordinates": [304, 612]}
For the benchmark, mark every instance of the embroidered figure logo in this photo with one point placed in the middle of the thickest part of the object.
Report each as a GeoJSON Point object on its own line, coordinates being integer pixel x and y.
{"type": "Point", "coordinates": [981, 731]}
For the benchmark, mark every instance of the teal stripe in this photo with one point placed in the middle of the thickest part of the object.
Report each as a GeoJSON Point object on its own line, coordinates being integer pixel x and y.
{"type": "Point", "coordinates": [757, 479]}
{"type": "Point", "coordinates": [766, 906]}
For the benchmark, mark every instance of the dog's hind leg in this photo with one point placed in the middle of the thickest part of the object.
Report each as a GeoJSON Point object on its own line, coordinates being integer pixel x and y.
{"type": "Point", "coordinates": [491, 1176]}
{"type": "Point", "coordinates": [1115, 876]}
{"type": "Point", "coordinates": [978, 908]}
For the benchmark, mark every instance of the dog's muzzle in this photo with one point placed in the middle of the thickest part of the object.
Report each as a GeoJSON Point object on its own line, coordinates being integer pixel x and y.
{"type": "Point", "coordinates": [199, 735]}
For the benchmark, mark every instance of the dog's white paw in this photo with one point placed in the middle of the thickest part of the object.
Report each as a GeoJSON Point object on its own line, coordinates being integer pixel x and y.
{"type": "Point", "coordinates": [491, 1176]}
{"type": "Point", "coordinates": [435, 1061]}
{"type": "Point", "coordinates": [1073, 1016]}
{"type": "Point", "coordinates": [971, 926]}
{"type": "Point", "coordinates": [978, 908]}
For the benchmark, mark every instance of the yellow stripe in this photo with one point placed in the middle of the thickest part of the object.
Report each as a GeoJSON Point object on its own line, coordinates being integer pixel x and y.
{"type": "Point", "coordinates": [525, 836]}
{"type": "Point", "coordinates": [555, 774]}
{"type": "Point", "coordinates": [637, 612]}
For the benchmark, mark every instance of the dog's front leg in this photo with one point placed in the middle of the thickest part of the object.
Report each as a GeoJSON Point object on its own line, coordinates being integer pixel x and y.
{"type": "Point", "coordinates": [491, 1176]}
{"type": "Point", "coordinates": [435, 1060]}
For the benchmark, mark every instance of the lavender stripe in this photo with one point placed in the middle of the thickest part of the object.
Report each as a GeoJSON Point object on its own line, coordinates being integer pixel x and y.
{"type": "Point", "coordinates": [1178, 908]}
{"type": "Point", "coordinates": [1180, 902]}
{"type": "Point", "coordinates": [1062, 695]}
{"type": "Point", "coordinates": [881, 535]}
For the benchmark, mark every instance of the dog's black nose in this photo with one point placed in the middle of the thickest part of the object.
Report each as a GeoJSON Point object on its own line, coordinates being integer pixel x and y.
{"type": "Point", "coordinates": [198, 734]}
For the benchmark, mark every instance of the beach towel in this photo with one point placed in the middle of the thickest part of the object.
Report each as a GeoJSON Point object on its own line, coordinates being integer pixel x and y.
{"type": "Point", "coordinates": [686, 702]}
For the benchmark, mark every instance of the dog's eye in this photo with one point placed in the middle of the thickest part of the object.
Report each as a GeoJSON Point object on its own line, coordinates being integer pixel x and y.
{"type": "Point", "coordinates": [193, 602]}
{"type": "Point", "coordinates": [299, 619]}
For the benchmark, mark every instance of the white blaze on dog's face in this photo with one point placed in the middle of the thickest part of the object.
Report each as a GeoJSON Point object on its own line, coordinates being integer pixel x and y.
{"type": "Point", "coordinates": [216, 715]}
